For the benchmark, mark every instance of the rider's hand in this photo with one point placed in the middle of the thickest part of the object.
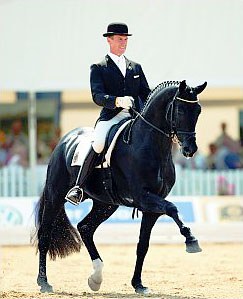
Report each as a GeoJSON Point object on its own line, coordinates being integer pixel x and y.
{"type": "Point", "coordinates": [124, 102]}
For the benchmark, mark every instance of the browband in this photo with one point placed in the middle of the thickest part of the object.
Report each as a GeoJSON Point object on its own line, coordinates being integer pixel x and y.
{"type": "Point", "coordinates": [187, 100]}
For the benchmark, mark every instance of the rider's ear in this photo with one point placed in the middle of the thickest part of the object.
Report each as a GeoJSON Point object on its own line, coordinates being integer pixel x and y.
{"type": "Point", "coordinates": [182, 86]}
{"type": "Point", "coordinates": [200, 88]}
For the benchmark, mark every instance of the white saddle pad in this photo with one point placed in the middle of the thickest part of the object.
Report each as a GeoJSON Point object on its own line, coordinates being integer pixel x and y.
{"type": "Point", "coordinates": [85, 141]}
{"type": "Point", "coordinates": [83, 146]}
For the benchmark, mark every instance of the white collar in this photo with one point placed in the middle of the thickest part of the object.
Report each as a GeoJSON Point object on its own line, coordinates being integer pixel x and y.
{"type": "Point", "coordinates": [116, 58]}
{"type": "Point", "coordinates": [120, 62]}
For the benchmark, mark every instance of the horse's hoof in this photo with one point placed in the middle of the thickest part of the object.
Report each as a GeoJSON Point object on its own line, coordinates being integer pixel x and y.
{"type": "Point", "coordinates": [46, 288]}
{"type": "Point", "coordinates": [94, 285]}
{"type": "Point", "coordinates": [193, 247]}
{"type": "Point", "coordinates": [140, 289]}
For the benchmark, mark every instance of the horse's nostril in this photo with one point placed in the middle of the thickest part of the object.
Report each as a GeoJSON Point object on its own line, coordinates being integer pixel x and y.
{"type": "Point", "coordinates": [186, 149]}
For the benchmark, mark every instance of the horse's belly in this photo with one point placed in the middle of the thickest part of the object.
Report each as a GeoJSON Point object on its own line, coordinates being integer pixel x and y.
{"type": "Point", "coordinates": [98, 188]}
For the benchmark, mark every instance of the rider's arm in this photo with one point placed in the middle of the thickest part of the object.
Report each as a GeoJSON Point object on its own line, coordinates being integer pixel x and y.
{"type": "Point", "coordinates": [100, 97]}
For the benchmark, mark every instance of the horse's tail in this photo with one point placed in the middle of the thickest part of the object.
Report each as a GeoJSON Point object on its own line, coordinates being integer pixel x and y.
{"type": "Point", "coordinates": [64, 238]}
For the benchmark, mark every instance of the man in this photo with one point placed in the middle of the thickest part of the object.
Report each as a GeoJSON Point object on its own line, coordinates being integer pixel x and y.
{"type": "Point", "coordinates": [117, 84]}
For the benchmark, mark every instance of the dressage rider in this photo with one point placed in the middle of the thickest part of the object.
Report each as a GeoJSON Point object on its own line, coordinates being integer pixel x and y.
{"type": "Point", "coordinates": [117, 84]}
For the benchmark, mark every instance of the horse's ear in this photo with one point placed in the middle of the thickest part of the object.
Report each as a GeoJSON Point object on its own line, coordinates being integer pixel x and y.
{"type": "Point", "coordinates": [200, 88]}
{"type": "Point", "coordinates": [182, 85]}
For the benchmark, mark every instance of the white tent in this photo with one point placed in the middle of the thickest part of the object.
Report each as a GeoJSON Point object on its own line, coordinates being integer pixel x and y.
{"type": "Point", "coordinates": [49, 45]}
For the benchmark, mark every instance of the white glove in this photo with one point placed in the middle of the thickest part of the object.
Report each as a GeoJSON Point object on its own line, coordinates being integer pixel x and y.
{"type": "Point", "coordinates": [124, 102]}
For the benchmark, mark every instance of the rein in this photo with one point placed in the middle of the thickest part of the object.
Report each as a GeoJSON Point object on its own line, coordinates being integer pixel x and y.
{"type": "Point", "coordinates": [172, 135]}
{"type": "Point", "coordinates": [151, 125]}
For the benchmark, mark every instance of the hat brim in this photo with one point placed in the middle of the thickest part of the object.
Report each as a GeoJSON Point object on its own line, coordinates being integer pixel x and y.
{"type": "Point", "coordinates": [115, 33]}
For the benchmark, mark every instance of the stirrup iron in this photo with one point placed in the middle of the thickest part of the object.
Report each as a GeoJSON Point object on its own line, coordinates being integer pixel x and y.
{"type": "Point", "coordinates": [75, 200]}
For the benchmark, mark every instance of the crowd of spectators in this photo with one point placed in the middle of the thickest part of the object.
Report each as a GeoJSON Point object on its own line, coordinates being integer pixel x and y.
{"type": "Point", "coordinates": [14, 146]}
{"type": "Point", "coordinates": [223, 153]}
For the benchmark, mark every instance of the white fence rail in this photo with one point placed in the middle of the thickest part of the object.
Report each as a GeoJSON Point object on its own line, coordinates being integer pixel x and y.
{"type": "Point", "coordinates": [18, 181]}
{"type": "Point", "coordinates": [208, 182]}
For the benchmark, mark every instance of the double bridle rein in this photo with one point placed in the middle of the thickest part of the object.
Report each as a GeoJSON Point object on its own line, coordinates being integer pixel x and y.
{"type": "Point", "coordinates": [173, 130]}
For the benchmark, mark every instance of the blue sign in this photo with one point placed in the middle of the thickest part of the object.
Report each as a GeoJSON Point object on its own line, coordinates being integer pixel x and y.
{"type": "Point", "coordinates": [124, 214]}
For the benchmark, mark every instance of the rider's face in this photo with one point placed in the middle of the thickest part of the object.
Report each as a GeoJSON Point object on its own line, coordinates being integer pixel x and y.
{"type": "Point", "coordinates": [118, 44]}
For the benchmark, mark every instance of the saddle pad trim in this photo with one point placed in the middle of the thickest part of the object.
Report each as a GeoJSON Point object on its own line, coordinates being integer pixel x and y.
{"type": "Point", "coordinates": [112, 145]}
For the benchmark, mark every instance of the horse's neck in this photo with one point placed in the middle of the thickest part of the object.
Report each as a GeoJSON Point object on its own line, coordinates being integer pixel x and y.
{"type": "Point", "coordinates": [155, 114]}
{"type": "Point", "coordinates": [155, 110]}
{"type": "Point", "coordinates": [159, 145]}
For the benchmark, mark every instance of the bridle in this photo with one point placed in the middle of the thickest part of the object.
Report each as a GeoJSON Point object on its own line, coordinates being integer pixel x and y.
{"type": "Point", "coordinates": [169, 117]}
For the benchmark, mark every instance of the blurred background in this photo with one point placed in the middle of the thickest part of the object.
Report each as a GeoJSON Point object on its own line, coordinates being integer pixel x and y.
{"type": "Point", "coordinates": [46, 49]}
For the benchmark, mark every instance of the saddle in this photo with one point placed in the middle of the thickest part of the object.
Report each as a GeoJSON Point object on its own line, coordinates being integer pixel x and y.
{"type": "Point", "coordinates": [86, 138]}
{"type": "Point", "coordinates": [103, 160]}
{"type": "Point", "coordinates": [112, 137]}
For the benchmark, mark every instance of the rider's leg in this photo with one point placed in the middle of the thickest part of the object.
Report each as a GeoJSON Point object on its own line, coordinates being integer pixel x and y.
{"type": "Point", "coordinates": [75, 195]}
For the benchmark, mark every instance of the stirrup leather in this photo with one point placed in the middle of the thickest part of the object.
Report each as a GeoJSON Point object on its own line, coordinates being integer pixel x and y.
{"type": "Point", "coordinates": [75, 200]}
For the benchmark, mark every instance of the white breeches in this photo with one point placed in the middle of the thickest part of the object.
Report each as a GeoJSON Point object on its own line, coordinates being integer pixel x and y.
{"type": "Point", "coordinates": [103, 127]}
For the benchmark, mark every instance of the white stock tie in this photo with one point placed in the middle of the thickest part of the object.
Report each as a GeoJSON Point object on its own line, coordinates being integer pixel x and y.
{"type": "Point", "coordinates": [122, 65]}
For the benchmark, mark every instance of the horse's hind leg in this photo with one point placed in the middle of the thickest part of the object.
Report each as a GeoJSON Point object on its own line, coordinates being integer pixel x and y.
{"type": "Point", "coordinates": [147, 224]}
{"type": "Point", "coordinates": [44, 236]}
{"type": "Point", "coordinates": [87, 227]}
{"type": "Point", "coordinates": [192, 245]}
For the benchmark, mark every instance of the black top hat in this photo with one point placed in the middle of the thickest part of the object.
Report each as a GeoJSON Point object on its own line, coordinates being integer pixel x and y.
{"type": "Point", "coordinates": [117, 28]}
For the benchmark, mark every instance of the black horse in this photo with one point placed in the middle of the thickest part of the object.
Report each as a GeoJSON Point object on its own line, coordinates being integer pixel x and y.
{"type": "Point", "coordinates": [141, 175]}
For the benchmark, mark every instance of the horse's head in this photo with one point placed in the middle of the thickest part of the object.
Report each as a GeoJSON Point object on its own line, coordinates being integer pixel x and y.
{"type": "Point", "coordinates": [184, 111]}
{"type": "Point", "coordinates": [179, 107]}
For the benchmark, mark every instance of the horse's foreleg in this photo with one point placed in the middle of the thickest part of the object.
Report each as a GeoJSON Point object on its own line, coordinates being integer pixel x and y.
{"type": "Point", "coordinates": [87, 227]}
{"type": "Point", "coordinates": [192, 245]}
{"type": "Point", "coordinates": [148, 221]}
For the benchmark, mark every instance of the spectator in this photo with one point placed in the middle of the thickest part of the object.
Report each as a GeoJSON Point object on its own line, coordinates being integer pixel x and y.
{"type": "Point", "coordinates": [3, 151]}
{"type": "Point", "coordinates": [43, 152]}
{"type": "Point", "coordinates": [224, 140]}
{"type": "Point", "coordinates": [55, 139]}
{"type": "Point", "coordinates": [228, 150]}
{"type": "Point", "coordinates": [17, 145]}
{"type": "Point", "coordinates": [212, 158]}
{"type": "Point", "coordinates": [232, 160]}
{"type": "Point", "coordinates": [224, 187]}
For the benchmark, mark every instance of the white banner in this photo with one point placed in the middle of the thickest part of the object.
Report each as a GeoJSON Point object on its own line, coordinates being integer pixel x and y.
{"type": "Point", "coordinates": [50, 45]}
{"type": "Point", "coordinates": [17, 217]}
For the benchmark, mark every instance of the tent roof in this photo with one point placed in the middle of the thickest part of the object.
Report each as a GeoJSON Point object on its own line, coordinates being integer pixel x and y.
{"type": "Point", "coordinates": [50, 45]}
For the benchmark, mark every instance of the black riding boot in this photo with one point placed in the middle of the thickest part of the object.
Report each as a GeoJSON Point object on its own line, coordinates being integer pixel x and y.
{"type": "Point", "coordinates": [75, 194]}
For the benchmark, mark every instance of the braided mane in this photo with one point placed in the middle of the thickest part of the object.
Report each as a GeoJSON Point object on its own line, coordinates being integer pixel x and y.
{"type": "Point", "coordinates": [158, 88]}
{"type": "Point", "coordinates": [161, 86]}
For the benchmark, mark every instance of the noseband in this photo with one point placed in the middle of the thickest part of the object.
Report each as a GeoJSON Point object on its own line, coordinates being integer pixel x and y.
{"type": "Point", "coordinates": [173, 129]}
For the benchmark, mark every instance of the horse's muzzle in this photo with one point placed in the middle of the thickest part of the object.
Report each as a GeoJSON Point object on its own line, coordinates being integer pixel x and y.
{"type": "Point", "coordinates": [189, 150]}
{"type": "Point", "coordinates": [189, 147]}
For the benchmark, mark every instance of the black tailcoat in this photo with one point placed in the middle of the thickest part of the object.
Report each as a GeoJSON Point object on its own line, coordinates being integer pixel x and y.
{"type": "Point", "coordinates": [107, 83]}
